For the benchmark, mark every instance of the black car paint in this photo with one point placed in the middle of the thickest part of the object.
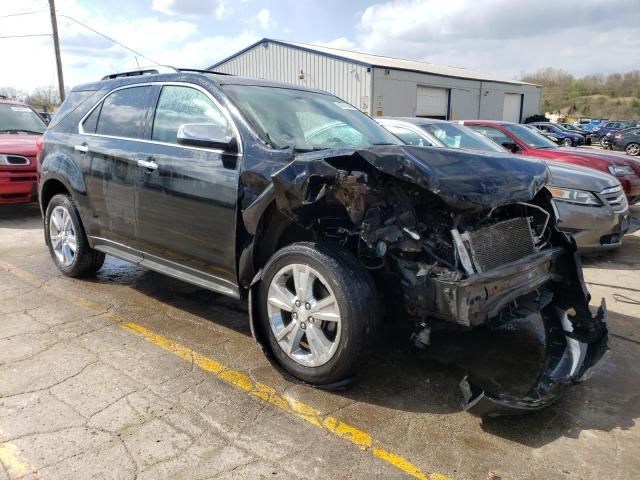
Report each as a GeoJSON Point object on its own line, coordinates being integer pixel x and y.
{"type": "Point", "coordinates": [197, 216]}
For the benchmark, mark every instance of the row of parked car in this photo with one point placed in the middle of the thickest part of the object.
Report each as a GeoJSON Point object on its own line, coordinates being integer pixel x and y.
{"type": "Point", "coordinates": [622, 135]}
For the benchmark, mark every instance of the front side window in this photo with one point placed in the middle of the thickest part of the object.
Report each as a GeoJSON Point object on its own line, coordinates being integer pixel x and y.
{"type": "Point", "coordinates": [458, 136]}
{"type": "Point", "coordinates": [183, 105]}
{"type": "Point", "coordinates": [492, 133]}
{"type": "Point", "coordinates": [305, 120]}
{"type": "Point", "coordinates": [531, 138]}
{"type": "Point", "coordinates": [409, 137]}
{"type": "Point", "coordinates": [123, 113]}
{"type": "Point", "coordinates": [20, 119]}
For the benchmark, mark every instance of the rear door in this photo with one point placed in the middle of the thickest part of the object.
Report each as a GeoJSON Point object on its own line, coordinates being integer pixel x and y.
{"type": "Point", "coordinates": [113, 135]}
{"type": "Point", "coordinates": [187, 196]}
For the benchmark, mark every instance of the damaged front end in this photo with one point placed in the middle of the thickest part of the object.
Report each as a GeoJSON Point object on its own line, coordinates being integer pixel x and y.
{"type": "Point", "coordinates": [455, 240]}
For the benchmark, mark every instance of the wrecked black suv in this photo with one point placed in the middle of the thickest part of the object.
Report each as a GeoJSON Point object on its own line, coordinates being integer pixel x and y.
{"type": "Point", "coordinates": [297, 201]}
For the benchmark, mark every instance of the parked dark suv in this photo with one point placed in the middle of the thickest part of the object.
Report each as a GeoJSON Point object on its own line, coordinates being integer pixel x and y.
{"type": "Point", "coordinates": [317, 215]}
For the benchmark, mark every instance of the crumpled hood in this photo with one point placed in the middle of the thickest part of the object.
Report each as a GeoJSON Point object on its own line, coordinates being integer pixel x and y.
{"type": "Point", "coordinates": [463, 179]}
{"type": "Point", "coordinates": [18, 144]}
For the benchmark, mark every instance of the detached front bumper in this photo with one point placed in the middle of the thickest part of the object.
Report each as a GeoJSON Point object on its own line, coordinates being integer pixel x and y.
{"type": "Point", "coordinates": [583, 350]}
{"type": "Point", "coordinates": [18, 187]}
{"type": "Point", "coordinates": [479, 297]}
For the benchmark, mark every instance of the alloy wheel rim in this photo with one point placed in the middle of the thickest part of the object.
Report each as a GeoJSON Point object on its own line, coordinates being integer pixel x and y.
{"type": "Point", "coordinates": [62, 236]}
{"type": "Point", "coordinates": [304, 315]}
{"type": "Point", "coordinates": [566, 142]}
{"type": "Point", "coordinates": [633, 149]}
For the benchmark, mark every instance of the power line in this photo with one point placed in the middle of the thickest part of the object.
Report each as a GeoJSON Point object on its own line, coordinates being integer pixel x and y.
{"type": "Point", "coordinates": [29, 35]}
{"type": "Point", "coordinates": [18, 14]}
{"type": "Point", "coordinates": [79, 23]}
{"type": "Point", "coordinates": [108, 38]}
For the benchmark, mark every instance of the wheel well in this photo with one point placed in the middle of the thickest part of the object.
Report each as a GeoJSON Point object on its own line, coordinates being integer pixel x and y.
{"type": "Point", "coordinates": [276, 231]}
{"type": "Point", "coordinates": [49, 190]}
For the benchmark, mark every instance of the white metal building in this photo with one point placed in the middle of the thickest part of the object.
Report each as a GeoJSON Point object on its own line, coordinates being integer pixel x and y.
{"type": "Point", "coordinates": [387, 86]}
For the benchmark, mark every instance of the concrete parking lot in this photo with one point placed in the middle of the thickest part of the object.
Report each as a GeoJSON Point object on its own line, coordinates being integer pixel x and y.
{"type": "Point", "coordinates": [134, 375]}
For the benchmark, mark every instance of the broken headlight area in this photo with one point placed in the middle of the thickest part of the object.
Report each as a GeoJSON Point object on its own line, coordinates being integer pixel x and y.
{"type": "Point", "coordinates": [455, 241]}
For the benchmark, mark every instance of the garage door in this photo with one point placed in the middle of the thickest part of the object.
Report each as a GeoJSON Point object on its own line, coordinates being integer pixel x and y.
{"type": "Point", "coordinates": [512, 104]}
{"type": "Point", "coordinates": [433, 102]}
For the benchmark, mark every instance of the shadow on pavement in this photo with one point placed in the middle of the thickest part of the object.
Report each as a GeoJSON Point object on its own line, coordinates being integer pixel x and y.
{"type": "Point", "coordinates": [399, 377]}
{"type": "Point", "coordinates": [21, 217]}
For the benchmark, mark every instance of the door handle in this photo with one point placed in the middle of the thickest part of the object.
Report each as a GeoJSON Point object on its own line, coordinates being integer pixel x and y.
{"type": "Point", "coordinates": [148, 164]}
{"type": "Point", "coordinates": [84, 148]}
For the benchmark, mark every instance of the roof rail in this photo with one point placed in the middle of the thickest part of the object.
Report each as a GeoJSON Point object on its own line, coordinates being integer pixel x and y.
{"type": "Point", "coordinates": [141, 71]}
{"type": "Point", "coordinates": [202, 70]}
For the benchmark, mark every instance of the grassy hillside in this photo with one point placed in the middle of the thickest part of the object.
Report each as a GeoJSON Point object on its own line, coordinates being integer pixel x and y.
{"type": "Point", "coordinates": [615, 96]}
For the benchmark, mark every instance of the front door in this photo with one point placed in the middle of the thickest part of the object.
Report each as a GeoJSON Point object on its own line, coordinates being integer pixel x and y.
{"type": "Point", "coordinates": [186, 196]}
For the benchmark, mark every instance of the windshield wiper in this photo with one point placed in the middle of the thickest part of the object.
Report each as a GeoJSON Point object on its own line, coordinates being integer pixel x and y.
{"type": "Point", "coordinates": [307, 150]}
{"type": "Point", "coordinates": [20, 130]}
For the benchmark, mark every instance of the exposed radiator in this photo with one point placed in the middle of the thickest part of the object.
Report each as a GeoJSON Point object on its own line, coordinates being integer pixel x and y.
{"type": "Point", "coordinates": [501, 243]}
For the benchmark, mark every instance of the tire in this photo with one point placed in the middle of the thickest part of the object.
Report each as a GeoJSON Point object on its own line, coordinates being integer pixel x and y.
{"type": "Point", "coordinates": [632, 149]}
{"type": "Point", "coordinates": [347, 343]}
{"type": "Point", "coordinates": [567, 142]}
{"type": "Point", "coordinates": [601, 140]}
{"type": "Point", "coordinates": [63, 229]}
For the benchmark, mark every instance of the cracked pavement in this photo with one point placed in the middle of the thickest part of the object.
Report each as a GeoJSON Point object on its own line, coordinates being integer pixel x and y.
{"type": "Point", "coordinates": [82, 397]}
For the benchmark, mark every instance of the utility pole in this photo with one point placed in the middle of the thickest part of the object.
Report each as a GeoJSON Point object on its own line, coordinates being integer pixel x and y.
{"type": "Point", "coordinates": [56, 47]}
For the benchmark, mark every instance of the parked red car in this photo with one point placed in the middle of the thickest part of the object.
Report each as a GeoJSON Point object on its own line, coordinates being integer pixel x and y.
{"type": "Point", "coordinates": [522, 140]}
{"type": "Point", "coordinates": [20, 128]}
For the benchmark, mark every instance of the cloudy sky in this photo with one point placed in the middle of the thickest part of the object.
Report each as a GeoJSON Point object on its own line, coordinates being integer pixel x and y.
{"type": "Point", "coordinates": [503, 37]}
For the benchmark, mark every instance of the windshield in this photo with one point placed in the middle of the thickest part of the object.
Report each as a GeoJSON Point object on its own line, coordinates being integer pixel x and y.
{"type": "Point", "coordinates": [531, 138]}
{"type": "Point", "coordinates": [306, 120]}
{"type": "Point", "coordinates": [19, 118]}
{"type": "Point", "coordinates": [459, 136]}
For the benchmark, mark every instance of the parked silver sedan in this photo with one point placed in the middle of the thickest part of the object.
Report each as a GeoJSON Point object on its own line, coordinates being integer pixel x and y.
{"type": "Point", "coordinates": [590, 205]}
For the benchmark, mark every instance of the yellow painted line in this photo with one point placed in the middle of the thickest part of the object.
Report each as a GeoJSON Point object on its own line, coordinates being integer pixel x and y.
{"type": "Point", "coordinates": [15, 463]}
{"type": "Point", "coordinates": [244, 382]}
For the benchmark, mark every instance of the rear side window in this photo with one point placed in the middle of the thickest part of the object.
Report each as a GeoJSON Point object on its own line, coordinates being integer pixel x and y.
{"type": "Point", "coordinates": [91, 122]}
{"type": "Point", "coordinates": [124, 113]}
{"type": "Point", "coordinates": [73, 100]}
{"type": "Point", "coordinates": [183, 105]}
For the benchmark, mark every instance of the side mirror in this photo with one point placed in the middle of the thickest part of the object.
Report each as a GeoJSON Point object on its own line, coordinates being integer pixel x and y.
{"type": "Point", "coordinates": [511, 146]}
{"type": "Point", "coordinates": [207, 135]}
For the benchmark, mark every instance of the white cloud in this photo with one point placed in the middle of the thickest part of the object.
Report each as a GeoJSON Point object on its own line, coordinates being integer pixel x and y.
{"type": "Point", "coordinates": [503, 36]}
{"type": "Point", "coordinates": [28, 63]}
{"type": "Point", "coordinates": [264, 18]}
{"type": "Point", "coordinates": [222, 11]}
{"type": "Point", "coordinates": [192, 7]}
{"type": "Point", "coordinates": [342, 43]}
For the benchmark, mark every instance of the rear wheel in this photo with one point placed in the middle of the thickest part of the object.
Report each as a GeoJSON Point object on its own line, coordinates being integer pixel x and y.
{"type": "Point", "coordinates": [632, 149]}
{"type": "Point", "coordinates": [67, 241]}
{"type": "Point", "coordinates": [567, 142]}
{"type": "Point", "coordinates": [318, 308]}
{"type": "Point", "coordinates": [601, 140]}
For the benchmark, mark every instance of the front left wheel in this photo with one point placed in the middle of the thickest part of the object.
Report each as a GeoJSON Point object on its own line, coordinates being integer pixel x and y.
{"type": "Point", "coordinates": [67, 241]}
{"type": "Point", "coordinates": [319, 310]}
